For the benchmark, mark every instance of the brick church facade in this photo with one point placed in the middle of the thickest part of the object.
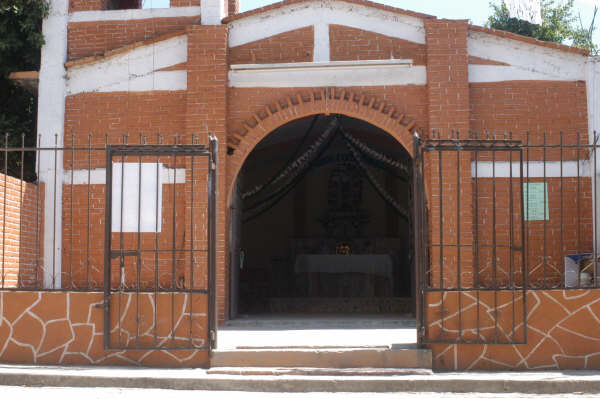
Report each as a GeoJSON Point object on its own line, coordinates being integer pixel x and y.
{"type": "Point", "coordinates": [487, 280]}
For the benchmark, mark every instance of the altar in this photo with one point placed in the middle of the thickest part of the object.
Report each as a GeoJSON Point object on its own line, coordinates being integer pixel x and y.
{"type": "Point", "coordinates": [366, 275]}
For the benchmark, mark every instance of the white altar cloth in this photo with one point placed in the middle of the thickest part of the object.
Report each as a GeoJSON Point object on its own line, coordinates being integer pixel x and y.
{"type": "Point", "coordinates": [378, 265]}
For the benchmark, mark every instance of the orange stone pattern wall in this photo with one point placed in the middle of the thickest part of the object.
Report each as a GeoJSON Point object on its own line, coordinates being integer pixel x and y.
{"type": "Point", "coordinates": [68, 328]}
{"type": "Point", "coordinates": [21, 232]}
{"type": "Point", "coordinates": [561, 331]}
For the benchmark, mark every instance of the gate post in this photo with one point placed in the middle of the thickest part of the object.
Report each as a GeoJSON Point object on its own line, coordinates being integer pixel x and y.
{"type": "Point", "coordinates": [448, 178]}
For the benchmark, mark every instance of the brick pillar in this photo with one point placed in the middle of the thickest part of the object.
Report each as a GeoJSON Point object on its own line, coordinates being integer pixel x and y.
{"type": "Point", "coordinates": [206, 112]}
{"type": "Point", "coordinates": [233, 6]}
{"type": "Point", "coordinates": [448, 89]}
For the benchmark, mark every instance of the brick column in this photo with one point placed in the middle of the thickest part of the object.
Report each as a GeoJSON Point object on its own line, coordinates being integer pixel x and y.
{"type": "Point", "coordinates": [206, 112]}
{"type": "Point", "coordinates": [448, 89]}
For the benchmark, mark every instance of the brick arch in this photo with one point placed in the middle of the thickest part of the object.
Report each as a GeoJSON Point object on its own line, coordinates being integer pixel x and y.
{"type": "Point", "coordinates": [325, 101]}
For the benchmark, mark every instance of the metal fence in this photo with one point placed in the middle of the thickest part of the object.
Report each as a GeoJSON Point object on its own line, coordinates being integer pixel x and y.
{"type": "Point", "coordinates": [130, 217]}
{"type": "Point", "coordinates": [501, 214]}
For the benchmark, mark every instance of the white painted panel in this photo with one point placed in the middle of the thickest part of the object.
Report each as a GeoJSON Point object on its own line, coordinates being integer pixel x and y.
{"type": "Point", "coordinates": [134, 70]}
{"type": "Point", "coordinates": [339, 77]}
{"type": "Point", "coordinates": [296, 16]}
{"type": "Point", "coordinates": [321, 51]}
{"type": "Point", "coordinates": [125, 15]}
{"type": "Point", "coordinates": [552, 63]}
{"type": "Point", "coordinates": [51, 122]}
{"type": "Point", "coordinates": [593, 94]}
{"type": "Point", "coordinates": [135, 204]}
{"type": "Point", "coordinates": [500, 73]}
{"type": "Point", "coordinates": [213, 11]}
{"type": "Point", "coordinates": [485, 169]}
{"type": "Point", "coordinates": [593, 102]}
{"type": "Point", "coordinates": [98, 176]}
{"type": "Point", "coordinates": [165, 80]}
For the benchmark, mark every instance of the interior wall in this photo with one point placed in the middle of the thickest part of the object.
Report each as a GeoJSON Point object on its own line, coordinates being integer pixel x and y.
{"type": "Point", "coordinates": [267, 240]}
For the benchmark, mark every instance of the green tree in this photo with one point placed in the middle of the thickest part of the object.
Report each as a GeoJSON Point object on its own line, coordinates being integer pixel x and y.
{"type": "Point", "coordinates": [20, 42]}
{"type": "Point", "coordinates": [559, 24]}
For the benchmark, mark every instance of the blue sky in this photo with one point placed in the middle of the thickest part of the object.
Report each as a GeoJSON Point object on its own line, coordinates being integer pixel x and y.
{"type": "Point", "coordinates": [475, 10]}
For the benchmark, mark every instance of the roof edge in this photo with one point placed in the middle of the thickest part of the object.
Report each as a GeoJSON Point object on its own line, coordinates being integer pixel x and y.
{"type": "Point", "coordinates": [366, 3]}
{"type": "Point", "coordinates": [123, 49]}
{"type": "Point", "coordinates": [530, 40]}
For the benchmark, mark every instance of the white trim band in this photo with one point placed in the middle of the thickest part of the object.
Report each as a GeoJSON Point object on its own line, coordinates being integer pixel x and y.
{"type": "Point", "coordinates": [98, 175]}
{"type": "Point", "coordinates": [337, 76]}
{"type": "Point", "coordinates": [484, 169]}
{"type": "Point", "coordinates": [128, 15]}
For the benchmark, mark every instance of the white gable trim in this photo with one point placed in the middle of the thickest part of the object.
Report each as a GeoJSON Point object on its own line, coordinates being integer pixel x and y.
{"type": "Point", "coordinates": [325, 12]}
{"type": "Point", "coordinates": [537, 62]}
{"type": "Point", "coordinates": [134, 70]}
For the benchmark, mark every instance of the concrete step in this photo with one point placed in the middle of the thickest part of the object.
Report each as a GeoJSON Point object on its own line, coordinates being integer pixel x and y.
{"type": "Point", "coordinates": [396, 357]}
{"type": "Point", "coordinates": [310, 371]}
{"type": "Point", "coordinates": [553, 382]}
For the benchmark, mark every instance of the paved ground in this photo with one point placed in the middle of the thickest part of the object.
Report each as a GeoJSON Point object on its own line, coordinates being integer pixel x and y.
{"type": "Point", "coordinates": [315, 330]}
{"type": "Point", "coordinates": [108, 393]}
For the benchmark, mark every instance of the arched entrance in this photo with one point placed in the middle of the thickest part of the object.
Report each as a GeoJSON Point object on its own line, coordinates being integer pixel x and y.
{"type": "Point", "coordinates": [321, 219]}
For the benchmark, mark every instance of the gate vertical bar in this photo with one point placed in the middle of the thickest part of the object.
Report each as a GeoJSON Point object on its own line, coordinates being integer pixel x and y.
{"type": "Point", "coordinates": [107, 246]}
{"type": "Point", "coordinates": [212, 241]}
{"type": "Point", "coordinates": [417, 227]}
{"type": "Point", "coordinates": [524, 242]}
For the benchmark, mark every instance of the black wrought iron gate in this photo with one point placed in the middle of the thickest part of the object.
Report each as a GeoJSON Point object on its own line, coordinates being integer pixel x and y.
{"type": "Point", "coordinates": [469, 241]}
{"type": "Point", "coordinates": [159, 274]}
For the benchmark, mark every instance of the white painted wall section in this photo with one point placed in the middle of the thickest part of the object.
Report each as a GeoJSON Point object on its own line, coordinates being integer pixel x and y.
{"type": "Point", "coordinates": [325, 12]}
{"type": "Point", "coordinates": [321, 51]}
{"type": "Point", "coordinates": [98, 176]}
{"type": "Point", "coordinates": [527, 61]}
{"type": "Point", "coordinates": [502, 169]}
{"type": "Point", "coordinates": [51, 121]}
{"type": "Point", "coordinates": [135, 70]}
{"type": "Point", "coordinates": [337, 74]}
{"type": "Point", "coordinates": [593, 102]}
{"type": "Point", "coordinates": [213, 11]}
{"type": "Point", "coordinates": [128, 15]}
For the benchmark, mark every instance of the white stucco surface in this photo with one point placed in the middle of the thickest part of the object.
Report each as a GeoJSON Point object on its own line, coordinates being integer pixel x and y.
{"type": "Point", "coordinates": [126, 15]}
{"type": "Point", "coordinates": [487, 169]}
{"type": "Point", "coordinates": [364, 74]}
{"type": "Point", "coordinates": [325, 12]}
{"type": "Point", "coordinates": [134, 70]}
{"type": "Point", "coordinates": [527, 61]}
{"type": "Point", "coordinates": [213, 11]}
{"type": "Point", "coordinates": [51, 121]}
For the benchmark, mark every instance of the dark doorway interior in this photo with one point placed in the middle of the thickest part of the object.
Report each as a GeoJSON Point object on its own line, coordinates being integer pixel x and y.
{"type": "Point", "coordinates": [321, 222]}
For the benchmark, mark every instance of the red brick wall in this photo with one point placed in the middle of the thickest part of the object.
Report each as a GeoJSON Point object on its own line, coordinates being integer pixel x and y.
{"type": "Point", "coordinates": [87, 5]}
{"type": "Point", "coordinates": [410, 101]}
{"type": "Point", "coordinates": [233, 6]}
{"type": "Point", "coordinates": [569, 230]}
{"type": "Point", "coordinates": [184, 3]}
{"type": "Point", "coordinates": [534, 106]}
{"type": "Point", "coordinates": [21, 233]}
{"type": "Point", "coordinates": [206, 111]}
{"type": "Point", "coordinates": [448, 89]}
{"type": "Point", "coordinates": [117, 113]}
{"type": "Point", "coordinates": [95, 38]}
{"type": "Point", "coordinates": [292, 46]}
{"type": "Point", "coordinates": [83, 243]}
{"type": "Point", "coordinates": [349, 44]}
